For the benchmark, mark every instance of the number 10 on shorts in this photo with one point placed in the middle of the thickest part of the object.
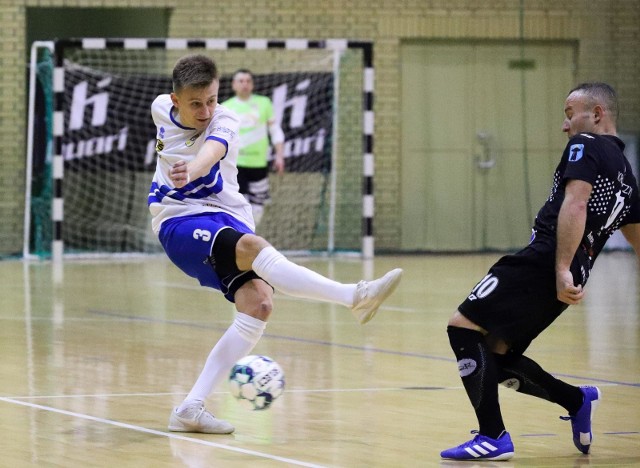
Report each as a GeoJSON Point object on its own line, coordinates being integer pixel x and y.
{"type": "Point", "coordinates": [484, 287]}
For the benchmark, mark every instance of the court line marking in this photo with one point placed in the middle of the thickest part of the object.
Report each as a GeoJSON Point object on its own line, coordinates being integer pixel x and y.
{"type": "Point", "coordinates": [270, 335]}
{"type": "Point", "coordinates": [598, 380]}
{"type": "Point", "coordinates": [208, 443]}
{"type": "Point", "coordinates": [169, 435]}
{"type": "Point", "coordinates": [412, 388]}
{"type": "Point", "coordinates": [330, 343]}
{"type": "Point", "coordinates": [222, 392]}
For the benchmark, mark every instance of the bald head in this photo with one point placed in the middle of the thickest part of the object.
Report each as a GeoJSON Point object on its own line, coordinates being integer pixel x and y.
{"type": "Point", "coordinates": [591, 108]}
{"type": "Point", "coordinates": [602, 94]}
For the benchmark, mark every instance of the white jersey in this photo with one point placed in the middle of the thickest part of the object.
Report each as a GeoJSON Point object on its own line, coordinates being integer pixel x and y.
{"type": "Point", "coordinates": [218, 190]}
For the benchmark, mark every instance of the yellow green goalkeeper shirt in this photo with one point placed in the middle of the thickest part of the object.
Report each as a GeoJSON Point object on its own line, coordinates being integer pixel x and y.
{"type": "Point", "coordinates": [254, 114]}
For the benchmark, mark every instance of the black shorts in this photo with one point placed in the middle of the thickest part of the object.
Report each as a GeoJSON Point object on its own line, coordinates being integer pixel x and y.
{"type": "Point", "coordinates": [254, 184]}
{"type": "Point", "coordinates": [517, 298]}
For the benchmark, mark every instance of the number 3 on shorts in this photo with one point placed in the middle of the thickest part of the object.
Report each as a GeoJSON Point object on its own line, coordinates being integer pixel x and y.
{"type": "Point", "coordinates": [202, 234]}
{"type": "Point", "coordinates": [484, 287]}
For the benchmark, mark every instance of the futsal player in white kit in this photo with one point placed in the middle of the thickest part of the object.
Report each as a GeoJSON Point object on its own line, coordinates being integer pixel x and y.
{"type": "Point", "coordinates": [206, 228]}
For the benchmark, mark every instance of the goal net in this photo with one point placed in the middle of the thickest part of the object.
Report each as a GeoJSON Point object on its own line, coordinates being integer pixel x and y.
{"type": "Point", "coordinates": [108, 140]}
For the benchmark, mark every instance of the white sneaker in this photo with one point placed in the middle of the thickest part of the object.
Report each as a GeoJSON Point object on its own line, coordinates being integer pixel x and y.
{"type": "Point", "coordinates": [370, 294]}
{"type": "Point", "coordinates": [195, 418]}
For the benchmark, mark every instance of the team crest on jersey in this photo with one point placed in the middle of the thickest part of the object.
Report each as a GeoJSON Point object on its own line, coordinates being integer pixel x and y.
{"type": "Point", "coordinates": [159, 145]}
{"type": "Point", "coordinates": [191, 140]}
{"type": "Point", "coordinates": [575, 152]}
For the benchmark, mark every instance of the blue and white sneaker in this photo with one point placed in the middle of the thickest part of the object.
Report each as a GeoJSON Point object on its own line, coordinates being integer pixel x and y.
{"type": "Point", "coordinates": [482, 448]}
{"type": "Point", "coordinates": [581, 421]}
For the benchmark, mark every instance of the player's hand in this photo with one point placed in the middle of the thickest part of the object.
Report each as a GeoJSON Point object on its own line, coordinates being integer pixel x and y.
{"type": "Point", "coordinates": [568, 292]}
{"type": "Point", "coordinates": [179, 174]}
{"type": "Point", "coordinates": [278, 165]}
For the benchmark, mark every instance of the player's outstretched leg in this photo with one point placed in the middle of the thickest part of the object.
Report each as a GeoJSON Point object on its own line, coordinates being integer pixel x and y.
{"type": "Point", "coordinates": [581, 421]}
{"type": "Point", "coordinates": [363, 298]}
{"type": "Point", "coordinates": [370, 295]}
{"type": "Point", "coordinates": [526, 376]}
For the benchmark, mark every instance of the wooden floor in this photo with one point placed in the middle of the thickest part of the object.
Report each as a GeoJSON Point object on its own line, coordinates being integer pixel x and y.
{"type": "Point", "coordinates": [92, 366]}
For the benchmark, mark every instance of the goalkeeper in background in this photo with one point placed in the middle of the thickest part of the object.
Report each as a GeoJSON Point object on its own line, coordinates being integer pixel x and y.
{"type": "Point", "coordinates": [257, 127]}
{"type": "Point", "coordinates": [205, 226]}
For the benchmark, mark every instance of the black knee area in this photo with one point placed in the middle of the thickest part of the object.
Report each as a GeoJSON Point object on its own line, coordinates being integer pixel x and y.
{"type": "Point", "coordinates": [223, 262]}
{"type": "Point", "coordinates": [463, 338]}
{"type": "Point", "coordinates": [524, 375]}
{"type": "Point", "coordinates": [223, 253]}
{"type": "Point", "coordinates": [505, 364]}
{"type": "Point", "coordinates": [506, 360]}
{"type": "Point", "coordinates": [469, 348]}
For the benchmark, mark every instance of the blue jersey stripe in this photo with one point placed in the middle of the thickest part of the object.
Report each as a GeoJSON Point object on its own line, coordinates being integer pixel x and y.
{"type": "Point", "coordinates": [200, 188]}
{"type": "Point", "coordinates": [177, 124]}
{"type": "Point", "coordinates": [221, 140]}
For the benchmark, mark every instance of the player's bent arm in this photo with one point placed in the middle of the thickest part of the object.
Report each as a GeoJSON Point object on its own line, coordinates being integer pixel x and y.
{"type": "Point", "coordinates": [571, 222]}
{"type": "Point", "coordinates": [631, 232]}
{"type": "Point", "coordinates": [211, 152]}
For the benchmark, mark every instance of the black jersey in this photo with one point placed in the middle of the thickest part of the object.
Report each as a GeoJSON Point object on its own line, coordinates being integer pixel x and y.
{"type": "Point", "coordinates": [600, 161]}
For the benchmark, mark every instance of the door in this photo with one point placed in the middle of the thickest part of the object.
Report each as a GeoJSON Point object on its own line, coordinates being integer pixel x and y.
{"type": "Point", "coordinates": [481, 136]}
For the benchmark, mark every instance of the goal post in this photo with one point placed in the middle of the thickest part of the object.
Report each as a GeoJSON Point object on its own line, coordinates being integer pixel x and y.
{"type": "Point", "coordinates": [40, 69]}
{"type": "Point", "coordinates": [103, 139]}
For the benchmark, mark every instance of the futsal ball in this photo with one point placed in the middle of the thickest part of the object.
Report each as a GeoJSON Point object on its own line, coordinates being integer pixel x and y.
{"type": "Point", "coordinates": [256, 381]}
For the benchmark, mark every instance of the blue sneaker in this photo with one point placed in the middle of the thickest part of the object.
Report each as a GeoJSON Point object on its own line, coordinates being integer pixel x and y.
{"type": "Point", "coordinates": [482, 448]}
{"type": "Point", "coordinates": [581, 421]}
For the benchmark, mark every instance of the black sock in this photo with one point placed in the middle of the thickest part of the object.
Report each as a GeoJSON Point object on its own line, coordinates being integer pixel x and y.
{"type": "Point", "coordinates": [526, 376]}
{"type": "Point", "coordinates": [479, 377]}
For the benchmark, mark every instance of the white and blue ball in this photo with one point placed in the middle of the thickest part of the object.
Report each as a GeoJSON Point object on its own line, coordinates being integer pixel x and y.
{"type": "Point", "coordinates": [256, 380]}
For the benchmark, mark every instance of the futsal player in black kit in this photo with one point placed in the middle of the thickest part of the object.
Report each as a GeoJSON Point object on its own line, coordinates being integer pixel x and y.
{"type": "Point", "coordinates": [594, 193]}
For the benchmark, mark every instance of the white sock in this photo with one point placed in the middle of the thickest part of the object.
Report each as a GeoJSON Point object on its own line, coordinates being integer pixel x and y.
{"type": "Point", "coordinates": [238, 341]}
{"type": "Point", "coordinates": [298, 281]}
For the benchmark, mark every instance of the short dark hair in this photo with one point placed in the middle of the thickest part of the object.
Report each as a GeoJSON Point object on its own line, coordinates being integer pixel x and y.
{"type": "Point", "coordinates": [599, 93]}
{"type": "Point", "coordinates": [241, 70]}
{"type": "Point", "coordinates": [195, 71]}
